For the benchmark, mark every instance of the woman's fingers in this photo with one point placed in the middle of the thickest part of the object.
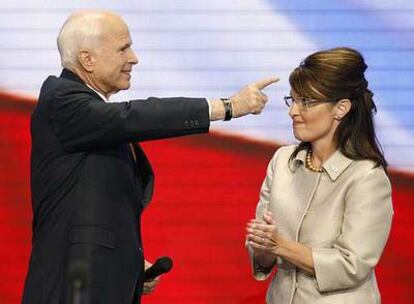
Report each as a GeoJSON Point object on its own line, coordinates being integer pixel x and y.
{"type": "Point", "coordinates": [260, 226]}
{"type": "Point", "coordinates": [256, 245]}
{"type": "Point", "coordinates": [261, 233]}
{"type": "Point", "coordinates": [257, 239]}
{"type": "Point", "coordinates": [258, 233]}
{"type": "Point", "coordinates": [267, 217]}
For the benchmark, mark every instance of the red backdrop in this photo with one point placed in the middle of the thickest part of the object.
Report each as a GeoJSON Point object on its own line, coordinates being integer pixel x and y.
{"type": "Point", "coordinates": [206, 190]}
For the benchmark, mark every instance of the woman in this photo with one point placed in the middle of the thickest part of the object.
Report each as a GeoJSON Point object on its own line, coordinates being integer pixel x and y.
{"type": "Point", "coordinates": [325, 207]}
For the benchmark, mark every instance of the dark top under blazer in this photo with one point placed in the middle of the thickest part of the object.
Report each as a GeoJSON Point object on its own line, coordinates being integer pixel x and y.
{"type": "Point", "coordinates": [87, 191]}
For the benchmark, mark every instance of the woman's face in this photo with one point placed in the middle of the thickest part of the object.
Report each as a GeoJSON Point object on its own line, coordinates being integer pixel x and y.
{"type": "Point", "coordinates": [314, 123]}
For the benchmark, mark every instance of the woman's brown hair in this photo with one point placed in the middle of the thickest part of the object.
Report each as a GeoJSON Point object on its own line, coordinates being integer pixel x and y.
{"type": "Point", "coordinates": [337, 74]}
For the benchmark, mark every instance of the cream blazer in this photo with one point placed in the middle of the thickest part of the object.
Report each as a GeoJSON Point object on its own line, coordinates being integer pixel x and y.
{"type": "Point", "coordinates": [344, 214]}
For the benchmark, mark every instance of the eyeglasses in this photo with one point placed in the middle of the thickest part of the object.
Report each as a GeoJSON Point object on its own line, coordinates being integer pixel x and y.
{"type": "Point", "coordinates": [303, 103]}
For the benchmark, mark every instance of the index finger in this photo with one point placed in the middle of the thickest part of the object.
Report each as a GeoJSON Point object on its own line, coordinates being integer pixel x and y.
{"type": "Point", "coordinates": [265, 82]}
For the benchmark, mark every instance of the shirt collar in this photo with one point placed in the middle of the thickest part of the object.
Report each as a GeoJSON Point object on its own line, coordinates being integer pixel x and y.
{"type": "Point", "coordinates": [97, 92]}
{"type": "Point", "coordinates": [334, 166]}
{"type": "Point", "coordinates": [68, 74]}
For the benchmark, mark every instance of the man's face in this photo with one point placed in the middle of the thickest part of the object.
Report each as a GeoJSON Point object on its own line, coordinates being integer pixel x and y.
{"type": "Point", "coordinates": [114, 59]}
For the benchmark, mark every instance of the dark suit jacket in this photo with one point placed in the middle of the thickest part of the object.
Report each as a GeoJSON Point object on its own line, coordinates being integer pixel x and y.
{"type": "Point", "coordinates": [87, 191]}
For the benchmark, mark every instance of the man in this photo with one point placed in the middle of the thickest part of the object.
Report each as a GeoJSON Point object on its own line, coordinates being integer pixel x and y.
{"type": "Point", "coordinates": [89, 184]}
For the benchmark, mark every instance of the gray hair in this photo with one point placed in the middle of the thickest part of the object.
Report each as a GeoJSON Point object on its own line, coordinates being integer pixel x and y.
{"type": "Point", "coordinates": [81, 30]}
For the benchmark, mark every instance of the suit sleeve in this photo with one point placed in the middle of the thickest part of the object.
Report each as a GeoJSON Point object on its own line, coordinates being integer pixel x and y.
{"type": "Point", "coordinates": [81, 121]}
{"type": "Point", "coordinates": [365, 229]}
{"type": "Point", "coordinates": [260, 273]}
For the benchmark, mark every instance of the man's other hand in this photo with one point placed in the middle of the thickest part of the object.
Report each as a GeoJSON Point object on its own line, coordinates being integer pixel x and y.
{"type": "Point", "coordinates": [149, 286]}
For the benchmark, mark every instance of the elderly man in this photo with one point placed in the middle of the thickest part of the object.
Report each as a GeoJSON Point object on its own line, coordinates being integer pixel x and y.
{"type": "Point", "coordinates": [89, 183]}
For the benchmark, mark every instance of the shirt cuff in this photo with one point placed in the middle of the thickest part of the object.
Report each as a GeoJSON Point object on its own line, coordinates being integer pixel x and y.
{"type": "Point", "coordinates": [209, 108]}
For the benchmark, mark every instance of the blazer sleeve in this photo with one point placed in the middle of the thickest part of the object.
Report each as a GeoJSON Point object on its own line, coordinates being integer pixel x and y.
{"type": "Point", "coordinates": [262, 273]}
{"type": "Point", "coordinates": [365, 230]}
{"type": "Point", "coordinates": [81, 121]}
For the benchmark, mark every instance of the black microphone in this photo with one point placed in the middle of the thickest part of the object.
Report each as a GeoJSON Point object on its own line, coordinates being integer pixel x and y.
{"type": "Point", "coordinates": [161, 265]}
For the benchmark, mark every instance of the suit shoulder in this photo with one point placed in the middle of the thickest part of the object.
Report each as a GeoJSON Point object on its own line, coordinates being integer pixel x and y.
{"type": "Point", "coordinates": [284, 152]}
{"type": "Point", "coordinates": [57, 87]}
{"type": "Point", "coordinates": [287, 150]}
{"type": "Point", "coordinates": [368, 169]}
{"type": "Point", "coordinates": [282, 155]}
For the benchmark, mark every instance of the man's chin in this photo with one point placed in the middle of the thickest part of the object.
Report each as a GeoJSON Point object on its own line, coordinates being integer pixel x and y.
{"type": "Point", "coordinates": [121, 87]}
{"type": "Point", "coordinates": [124, 86]}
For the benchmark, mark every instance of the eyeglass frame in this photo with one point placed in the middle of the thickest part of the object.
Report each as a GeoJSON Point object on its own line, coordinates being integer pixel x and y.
{"type": "Point", "coordinates": [304, 103]}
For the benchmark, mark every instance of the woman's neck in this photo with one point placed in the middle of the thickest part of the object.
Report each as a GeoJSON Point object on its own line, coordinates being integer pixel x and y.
{"type": "Point", "coordinates": [321, 151]}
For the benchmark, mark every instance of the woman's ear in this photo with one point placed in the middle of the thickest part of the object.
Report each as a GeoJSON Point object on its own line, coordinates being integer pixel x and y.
{"type": "Point", "coordinates": [342, 108]}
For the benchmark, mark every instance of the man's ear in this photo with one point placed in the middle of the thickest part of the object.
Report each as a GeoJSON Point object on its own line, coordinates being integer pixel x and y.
{"type": "Point", "coordinates": [342, 108]}
{"type": "Point", "coordinates": [86, 60]}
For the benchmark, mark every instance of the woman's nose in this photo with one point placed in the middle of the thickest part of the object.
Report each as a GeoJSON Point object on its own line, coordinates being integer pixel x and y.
{"type": "Point", "coordinates": [293, 109]}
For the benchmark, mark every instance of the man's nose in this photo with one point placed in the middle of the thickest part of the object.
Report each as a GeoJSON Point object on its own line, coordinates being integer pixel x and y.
{"type": "Point", "coordinates": [133, 59]}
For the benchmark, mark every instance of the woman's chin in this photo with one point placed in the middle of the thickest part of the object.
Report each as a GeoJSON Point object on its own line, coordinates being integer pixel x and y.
{"type": "Point", "coordinates": [298, 136]}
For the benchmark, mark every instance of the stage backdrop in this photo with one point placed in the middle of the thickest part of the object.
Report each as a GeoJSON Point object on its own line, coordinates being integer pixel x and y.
{"type": "Point", "coordinates": [207, 186]}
